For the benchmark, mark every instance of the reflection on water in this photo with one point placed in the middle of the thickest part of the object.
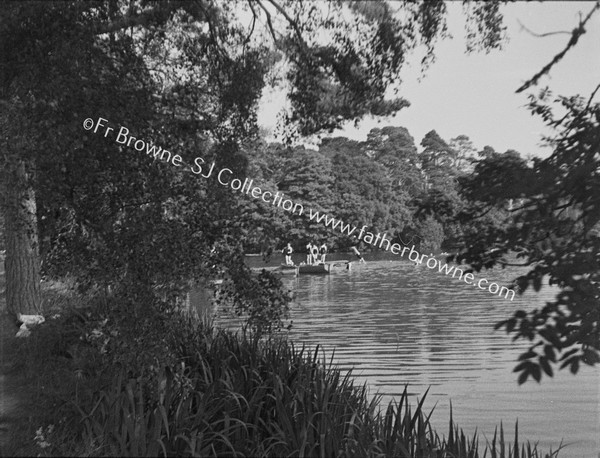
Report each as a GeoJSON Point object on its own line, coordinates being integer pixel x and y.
{"type": "Point", "coordinates": [396, 324]}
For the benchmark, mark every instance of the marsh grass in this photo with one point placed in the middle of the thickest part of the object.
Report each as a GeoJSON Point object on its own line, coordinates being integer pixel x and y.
{"type": "Point", "coordinates": [110, 384]}
{"type": "Point", "coordinates": [232, 395]}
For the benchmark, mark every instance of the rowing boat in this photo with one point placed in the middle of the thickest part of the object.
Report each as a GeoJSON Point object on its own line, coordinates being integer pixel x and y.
{"type": "Point", "coordinates": [284, 269]}
{"type": "Point", "coordinates": [314, 268]}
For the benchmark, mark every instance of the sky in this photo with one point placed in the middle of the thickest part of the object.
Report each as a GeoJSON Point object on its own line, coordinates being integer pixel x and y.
{"type": "Point", "coordinates": [475, 94]}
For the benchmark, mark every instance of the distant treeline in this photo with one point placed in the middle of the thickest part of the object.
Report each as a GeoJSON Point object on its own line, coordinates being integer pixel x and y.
{"type": "Point", "coordinates": [416, 196]}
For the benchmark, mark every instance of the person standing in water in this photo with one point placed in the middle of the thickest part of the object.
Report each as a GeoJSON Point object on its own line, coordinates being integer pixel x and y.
{"type": "Point", "coordinates": [357, 253]}
{"type": "Point", "coordinates": [288, 254]}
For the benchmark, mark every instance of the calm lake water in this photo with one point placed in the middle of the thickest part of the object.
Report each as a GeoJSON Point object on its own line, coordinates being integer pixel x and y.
{"type": "Point", "coordinates": [395, 324]}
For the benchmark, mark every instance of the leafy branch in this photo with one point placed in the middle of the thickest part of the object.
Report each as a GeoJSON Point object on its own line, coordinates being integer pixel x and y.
{"type": "Point", "coordinates": [575, 34]}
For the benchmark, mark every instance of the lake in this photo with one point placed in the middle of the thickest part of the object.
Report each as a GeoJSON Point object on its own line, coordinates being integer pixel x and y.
{"type": "Point", "coordinates": [395, 324]}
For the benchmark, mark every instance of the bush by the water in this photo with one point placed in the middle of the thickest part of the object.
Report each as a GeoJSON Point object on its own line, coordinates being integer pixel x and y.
{"type": "Point", "coordinates": [162, 384]}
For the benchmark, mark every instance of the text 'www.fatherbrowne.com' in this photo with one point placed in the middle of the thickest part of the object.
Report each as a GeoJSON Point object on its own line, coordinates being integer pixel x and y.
{"type": "Point", "coordinates": [225, 177]}
{"type": "Point", "coordinates": [381, 241]}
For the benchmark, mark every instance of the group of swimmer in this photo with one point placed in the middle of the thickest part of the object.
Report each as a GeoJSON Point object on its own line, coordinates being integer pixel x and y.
{"type": "Point", "coordinates": [315, 254]}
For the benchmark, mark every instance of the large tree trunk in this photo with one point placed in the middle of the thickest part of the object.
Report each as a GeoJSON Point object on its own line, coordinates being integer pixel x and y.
{"type": "Point", "coordinates": [22, 261]}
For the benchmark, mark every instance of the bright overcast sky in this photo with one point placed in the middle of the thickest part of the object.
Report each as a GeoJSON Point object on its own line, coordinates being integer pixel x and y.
{"type": "Point", "coordinates": [475, 94]}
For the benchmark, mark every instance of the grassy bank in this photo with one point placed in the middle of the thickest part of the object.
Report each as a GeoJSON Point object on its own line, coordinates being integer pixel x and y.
{"type": "Point", "coordinates": [105, 382]}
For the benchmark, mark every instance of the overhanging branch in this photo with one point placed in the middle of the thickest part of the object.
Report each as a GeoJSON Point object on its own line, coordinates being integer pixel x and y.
{"type": "Point", "coordinates": [161, 11]}
{"type": "Point", "coordinates": [575, 34]}
{"type": "Point", "coordinates": [292, 22]}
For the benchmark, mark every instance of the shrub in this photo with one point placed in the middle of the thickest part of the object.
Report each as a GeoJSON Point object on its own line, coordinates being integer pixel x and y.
{"type": "Point", "coordinates": [431, 233]}
{"type": "Point", "coordinates": [115, 383]}
{"type": "Point", "coordinates": [239, 396]}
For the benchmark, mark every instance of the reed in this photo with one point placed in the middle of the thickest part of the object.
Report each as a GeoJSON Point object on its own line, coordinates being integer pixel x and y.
{"type": "Point", "coordinates": [234, 395]}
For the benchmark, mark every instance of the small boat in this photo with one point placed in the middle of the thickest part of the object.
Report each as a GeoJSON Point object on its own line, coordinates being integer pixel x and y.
{"type": "Point", "coordinates": [314, 268]}
{"type": "Point", "coordinates": [284, 269]}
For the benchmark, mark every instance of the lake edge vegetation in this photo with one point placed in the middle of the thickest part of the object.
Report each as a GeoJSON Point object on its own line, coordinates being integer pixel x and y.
{"type": "Point", "coordinates": [107, 383]}
{"type": "Point", "coordinates": [133, 233]}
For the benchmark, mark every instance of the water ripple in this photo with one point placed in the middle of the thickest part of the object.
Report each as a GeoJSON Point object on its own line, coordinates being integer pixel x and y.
{"type": "Point", "coordinates": [395, 324]}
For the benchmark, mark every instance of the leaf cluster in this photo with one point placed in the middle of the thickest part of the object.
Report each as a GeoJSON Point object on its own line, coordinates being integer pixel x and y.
{"type": "Point", "coordinates": [555, 230]}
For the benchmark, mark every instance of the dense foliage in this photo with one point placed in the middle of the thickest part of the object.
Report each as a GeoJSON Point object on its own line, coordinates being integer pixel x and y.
{"type": "Point", "coordinates": [187, 75]}
{"type": "Point", "coordinates": [384, 182]}
{"type": "Point", "coordinates": [554, 229]}
{"type": "Point", "coordinates": [162, 385]}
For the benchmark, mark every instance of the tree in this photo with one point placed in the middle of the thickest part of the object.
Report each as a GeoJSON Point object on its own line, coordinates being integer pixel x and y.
{"type": "Point", "coordinates": [486, 152]}
{"type": "Point", "coordinates": [463, 146]}
{"type": "Point", "coordinates": [186, 75]}
{"type": "Point", "coordinates": [555, 231]}
{"type": "Point", "coordinates": [496, 175]}
{"type": "Point", "coordinates": [395, 149]}
{"type": "Point", "coordinates": [364, 191]}
{"type": "Point", "coordinates": [108, 216]}
{"type": "Point", "coordinates": [22, 110]}
{"type": "Point", "coordinates": [305, 177]}
{"type": "Point", "coordinates": [436, 152]}
{"type": "Point", "coordinates": [440, 202]}
{"type": "Point", "coordinates": [22, 271]}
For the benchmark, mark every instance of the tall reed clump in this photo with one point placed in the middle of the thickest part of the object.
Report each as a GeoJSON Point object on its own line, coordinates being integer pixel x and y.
{"type": "Point", "coordinates": [234, 395]}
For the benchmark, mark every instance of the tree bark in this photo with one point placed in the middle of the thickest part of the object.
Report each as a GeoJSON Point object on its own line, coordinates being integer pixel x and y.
{"type": "Point", "coordinates": [22, 263]}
